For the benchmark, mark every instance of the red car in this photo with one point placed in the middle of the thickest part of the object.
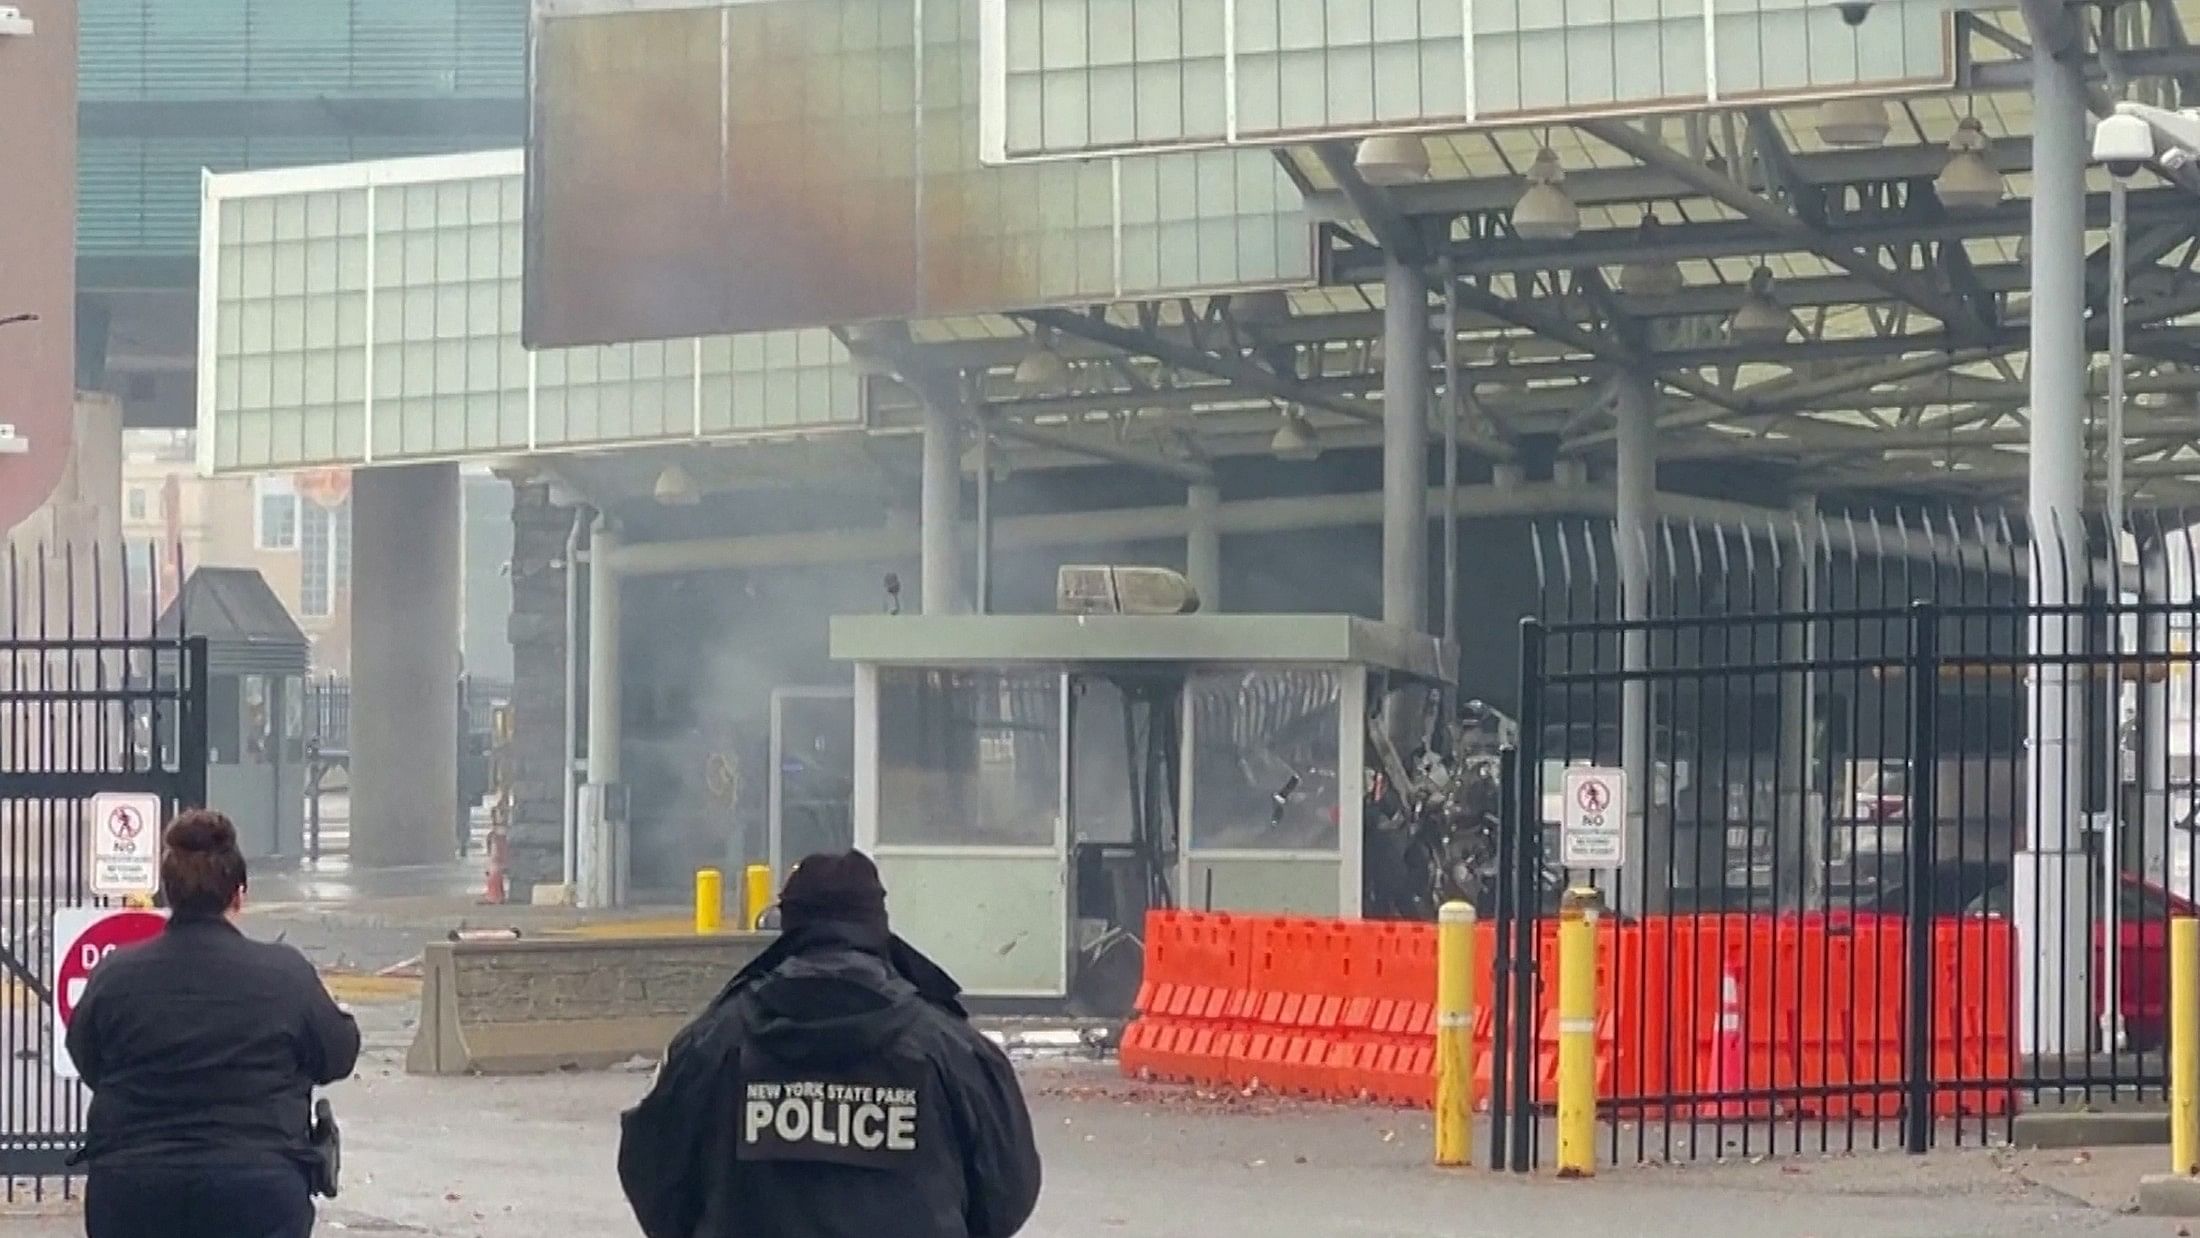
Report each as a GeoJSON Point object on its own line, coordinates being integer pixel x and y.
{"type": "Point", "coordinates": [2143, 912]}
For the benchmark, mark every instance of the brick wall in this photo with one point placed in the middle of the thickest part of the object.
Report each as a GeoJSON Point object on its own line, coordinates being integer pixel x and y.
{"type": "Point", "coordinates": [539, 581]}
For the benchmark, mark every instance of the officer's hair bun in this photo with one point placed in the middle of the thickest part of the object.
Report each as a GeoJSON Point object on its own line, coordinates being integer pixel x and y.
{"type": "Point", "coordinates": [199, 832]}
{"type": "Point", "coordinates": [201, 869]}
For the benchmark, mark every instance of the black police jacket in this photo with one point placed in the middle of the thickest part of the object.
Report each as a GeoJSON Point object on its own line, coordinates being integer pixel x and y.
{"type": "Point", "coordinates": [203, 1047]}
{"type": "Point", "coordinates": [835, 1089]}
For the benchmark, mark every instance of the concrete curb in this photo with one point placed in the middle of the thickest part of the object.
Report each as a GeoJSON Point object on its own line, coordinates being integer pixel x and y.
{"type": "Point", "coordinates": [2169, 1195]}
{"type": "Point", "coordinates": [2079, 1129]}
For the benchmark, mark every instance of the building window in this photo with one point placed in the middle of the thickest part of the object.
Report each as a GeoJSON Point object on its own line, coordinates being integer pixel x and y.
{"type": "Point", "coordinates": [137, 503]}
{"type": "Point", "coordinates": [274, 513]}
{"type": "Point", "coordinates": [324, 570]}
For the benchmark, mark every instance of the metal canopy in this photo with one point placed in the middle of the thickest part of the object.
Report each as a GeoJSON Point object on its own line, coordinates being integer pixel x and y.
{"type": "Point", "coordinates": [1903, 370]}
{"type": "Point", "coordinates": [1088, 640]}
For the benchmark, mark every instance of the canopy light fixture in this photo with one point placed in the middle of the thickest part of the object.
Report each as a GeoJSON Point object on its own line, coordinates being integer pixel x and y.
{"type": "Point", "coordinates": [1545, 211]}
{"type": "Point", "coordinates": [1853, 122]}
{"type": "Point", "coordinates": [1295, 439]}
{"type": "Point", "coordinates": [1390, 159]}
{"type": "Point", "coordinates": [1760, 319]}
{"type": "Point", "coordinates": [1967, 182]}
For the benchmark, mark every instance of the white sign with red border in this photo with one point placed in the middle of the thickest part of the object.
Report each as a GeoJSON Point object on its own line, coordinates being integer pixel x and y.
{"type": "Point", "coordinates": [125, 844]}
{"type": "Point", "coordinates": [1592, 822]}
{"type": "Point", "coordinates": [83, 937]}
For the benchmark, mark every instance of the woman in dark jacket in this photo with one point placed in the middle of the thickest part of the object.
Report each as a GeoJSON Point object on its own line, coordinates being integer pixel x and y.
{"type": "Point", "coordinates": [202, 1048]}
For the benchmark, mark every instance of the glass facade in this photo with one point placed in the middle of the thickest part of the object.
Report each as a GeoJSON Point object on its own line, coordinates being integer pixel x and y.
{"type": "Point", "coordinates": [170, 87]}
{"type": "Point", "coordinates": [1109, 76]}
{"type": "Point", "coordinates": [370, 312]}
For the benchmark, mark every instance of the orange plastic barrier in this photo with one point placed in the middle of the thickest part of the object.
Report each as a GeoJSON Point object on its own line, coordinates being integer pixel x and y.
{"type": "Point", "coordinates": [1345, 1010]}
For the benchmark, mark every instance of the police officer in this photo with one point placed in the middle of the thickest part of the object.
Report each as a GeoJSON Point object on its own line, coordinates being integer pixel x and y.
{"type": "Point", "coordinates": [835, 1089]}
{"type": "Point", "coordinates": [202, 1048]}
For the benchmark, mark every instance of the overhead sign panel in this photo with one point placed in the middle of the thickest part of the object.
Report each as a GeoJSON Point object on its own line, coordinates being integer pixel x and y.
{"type": "Point", "coordinates": [702, 169]}
{"type": "Point", "coordinates": [1097, 77]}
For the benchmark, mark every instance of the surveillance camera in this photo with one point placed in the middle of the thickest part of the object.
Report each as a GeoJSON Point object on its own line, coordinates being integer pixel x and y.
{"type": "Point", "coordinates": [2124, 144]}
{"type": "Point", "coordinates": [1854, 11]}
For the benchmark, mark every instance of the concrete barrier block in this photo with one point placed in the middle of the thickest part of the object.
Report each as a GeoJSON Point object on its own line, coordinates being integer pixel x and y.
{"type": "Point", "coordinates": [2079, 1129]}
{"type": "Point", "coordinates": [544, 1004]}
{"type": "Point", "coordinates": [2169, 1195]}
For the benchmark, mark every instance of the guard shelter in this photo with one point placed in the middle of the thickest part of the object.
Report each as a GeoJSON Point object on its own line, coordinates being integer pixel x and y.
{"type": "Point", "coordinates": [1031, 785]}
{"type": "Point", "coordinates": [256, 665]}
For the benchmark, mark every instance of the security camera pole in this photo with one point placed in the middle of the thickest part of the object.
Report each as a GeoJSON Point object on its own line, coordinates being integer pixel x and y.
{"type": "Point", "coordinates": [2136, 136]}
{"type": "Point", "coordinates": [2111, 1013]}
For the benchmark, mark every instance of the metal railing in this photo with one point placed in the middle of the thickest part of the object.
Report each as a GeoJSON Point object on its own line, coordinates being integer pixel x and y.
{"type": "Point", "coordinates": [93, 698]}
{"type": "Point", "coordinates": [1904, 828]}
{"type": "Point", "coordinates": [327, 727]}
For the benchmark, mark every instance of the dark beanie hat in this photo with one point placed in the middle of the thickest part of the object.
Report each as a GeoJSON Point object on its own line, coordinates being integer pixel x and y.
{"type": "Point", "coordinates": [840, 887]}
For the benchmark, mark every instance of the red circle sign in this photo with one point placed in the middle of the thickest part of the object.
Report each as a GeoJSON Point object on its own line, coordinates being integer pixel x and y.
{"type": "Point", "coordinates": [94, 942]}
{"type": "Point", "coordinates": [1594, 797]}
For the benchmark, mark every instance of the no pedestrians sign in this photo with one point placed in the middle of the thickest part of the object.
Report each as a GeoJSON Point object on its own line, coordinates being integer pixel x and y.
{"type": "Point", "coordinates": [125, 844]}
{"type": "Point", "coordinates": [1592, 824]}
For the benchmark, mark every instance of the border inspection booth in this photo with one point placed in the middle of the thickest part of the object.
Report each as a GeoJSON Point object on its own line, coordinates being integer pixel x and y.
{"type": "Point", "coordinates": [256, 664]}
{"type": "Point", "coordinates": [1031, 785]}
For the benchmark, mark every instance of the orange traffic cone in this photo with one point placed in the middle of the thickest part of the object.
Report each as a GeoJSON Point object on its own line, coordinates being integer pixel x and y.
{"type": "Point", "coordinates": [495, 893]}
{"type": "Point", "coordinates": [1729, 1067]}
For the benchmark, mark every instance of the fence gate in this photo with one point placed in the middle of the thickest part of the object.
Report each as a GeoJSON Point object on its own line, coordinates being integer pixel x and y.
{"type": "Point", "coordinates": [1859, 767]}
{"type": "Point", "coordinates": [92, 699]}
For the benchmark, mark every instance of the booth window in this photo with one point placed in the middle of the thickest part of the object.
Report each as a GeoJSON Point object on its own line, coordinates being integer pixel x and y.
{"type": "Point", "coordinates": [258, 722]}
{"type": "Point", "coordinates": [224, 719]}
{"type": "Point", "coordinates": [1264, 761]}
{"type": "Point", "coordinates": [969, 758]}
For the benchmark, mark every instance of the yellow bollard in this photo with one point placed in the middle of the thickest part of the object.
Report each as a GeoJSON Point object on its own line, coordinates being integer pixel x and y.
{"type": "Point", "coordinates": [1577, 1033]}
{"type": "Point", "coordinates": [710, 900]}
{"type": "Point", "coordinates": [1455, 1034]}
{"type": "Point", "coordinates": [757, 881]}
{"type": "Point", "coordinates": [2184, 1045]}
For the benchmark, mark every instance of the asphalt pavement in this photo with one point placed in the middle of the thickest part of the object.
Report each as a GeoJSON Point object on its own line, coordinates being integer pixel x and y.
{"type": "Point", "coordinates": [519, 1158]}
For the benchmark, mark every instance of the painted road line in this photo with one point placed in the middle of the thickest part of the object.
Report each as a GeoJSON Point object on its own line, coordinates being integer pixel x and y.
{"type": "Point", "coordinates": [361, 989]}
{"type": "Point", "coordinates": [16, 995]}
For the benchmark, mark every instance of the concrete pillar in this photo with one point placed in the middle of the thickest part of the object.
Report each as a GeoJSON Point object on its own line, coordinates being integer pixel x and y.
{"type": "Point", "coordinates": [982, 558]}
{"type": "Point", "coordinates": [2054, 951]}
{"type": "Point", "coordinates": [2155, 815]}
{"type": "Point", "coordinates": [1203, 545]}
{"type": "Point", "coordinates": [406, 556]}
{"type": "Point", "coordinates": [1799, 849]}
{"type": "Point", "coordinates": [1405, 448]}
{"type": "Point", "coordinates": [1643, 883]}
{"type": "Point", "coordinates": [939, 510]}
{"type": "Point", "coordinates": [603, 839]}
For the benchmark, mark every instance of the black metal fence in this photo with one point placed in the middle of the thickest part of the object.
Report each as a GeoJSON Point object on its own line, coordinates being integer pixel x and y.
{"type": "Point", "coordinates": [91, 700]}
{"type": "Point", "coordinates": [327, 727]}
{"type": "Point", "coordinates": [1902, 842]}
